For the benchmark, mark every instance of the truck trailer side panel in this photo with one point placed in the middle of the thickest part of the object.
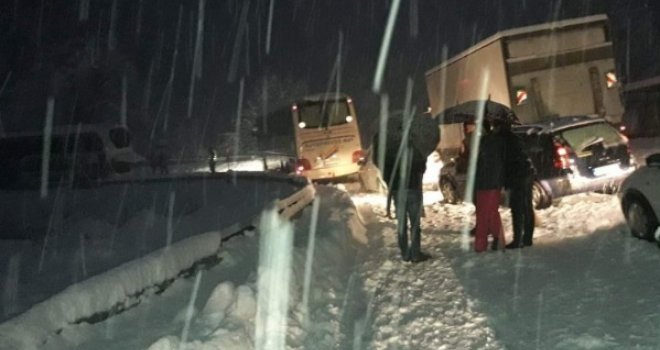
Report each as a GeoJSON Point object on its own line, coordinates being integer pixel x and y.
{"type": "Point", "coordinates": [577, 89]}
{"type": "Point", "coordinates": [564, 70]}
{"type": "Point", "coordinates": [463, 80]}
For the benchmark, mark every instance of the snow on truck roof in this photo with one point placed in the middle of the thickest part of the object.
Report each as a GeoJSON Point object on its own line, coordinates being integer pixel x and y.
{"type": "Point", "coordinates": [521, 31]}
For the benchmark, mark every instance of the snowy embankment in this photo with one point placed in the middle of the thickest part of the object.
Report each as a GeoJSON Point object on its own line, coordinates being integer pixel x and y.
{"type": "Point", "coordinates": [81, 232]}
{"type": "Point", "coordinates": [219, 306]}
{"type": "Point", "coordinates": [122, 287]}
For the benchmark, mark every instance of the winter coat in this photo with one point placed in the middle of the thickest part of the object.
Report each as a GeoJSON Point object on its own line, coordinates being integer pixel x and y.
{"type": "Point", "coordinates": [490, 162]}
{"type": "Point", "coordinates": [417, 167]}
{"type": "Point", "coordinates": [518, 166]}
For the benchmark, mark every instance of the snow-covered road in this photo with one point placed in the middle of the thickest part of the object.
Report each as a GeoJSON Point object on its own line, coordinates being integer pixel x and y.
{"type": "Point", "coordinates": [585, 284]}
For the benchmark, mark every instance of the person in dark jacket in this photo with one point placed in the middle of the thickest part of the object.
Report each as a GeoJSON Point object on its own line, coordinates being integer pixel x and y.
{"type": "Point", "coordinates": [408, 198]}
{"type": "Point", "coordinates": [518, 179]}
{"type": "Point", "coordinates": [489, 181]}
{"type": "Point", "coordinates": [213, 158]}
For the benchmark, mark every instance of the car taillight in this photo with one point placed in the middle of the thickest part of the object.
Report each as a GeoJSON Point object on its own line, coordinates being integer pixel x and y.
{"type": "Point", "coordinates": [358, 156]}
{"type": "Point", "coordinates": [302, 165]}
{"type": "Point", "coordinates": [562, 160]}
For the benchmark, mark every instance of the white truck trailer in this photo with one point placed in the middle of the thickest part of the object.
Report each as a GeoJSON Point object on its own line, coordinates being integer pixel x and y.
{"type": "Point", "coordinates": [563, 68]}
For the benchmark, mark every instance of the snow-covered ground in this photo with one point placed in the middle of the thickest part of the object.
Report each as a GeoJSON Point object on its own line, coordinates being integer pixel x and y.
{"type": "Point", "coordinates": [585, 284]}
{"type": "Point", "coordinates": [224, 297]}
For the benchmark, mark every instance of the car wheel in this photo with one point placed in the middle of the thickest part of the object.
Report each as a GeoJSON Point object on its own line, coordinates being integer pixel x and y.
{"type": "Point", "coordinates": [540, 197]}
{"type": "Point", "coordinates": [640, 218]}
{"type": "Point", "coordinates": [449, 190]}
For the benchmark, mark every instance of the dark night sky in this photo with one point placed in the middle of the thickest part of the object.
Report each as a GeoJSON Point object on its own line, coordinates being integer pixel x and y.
{"type": "Point", "coordinates": [304, 44]}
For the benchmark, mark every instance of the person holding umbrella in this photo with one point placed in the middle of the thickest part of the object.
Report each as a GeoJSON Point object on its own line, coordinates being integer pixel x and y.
{"type": "Point", "coordinates": [489, 181]}
{"type": "Point", "coordinates": [518, 179]}
{"type": "Point", "coordinates": [490, 164]}
{"type": "Point", "coordinates": [407, 145]}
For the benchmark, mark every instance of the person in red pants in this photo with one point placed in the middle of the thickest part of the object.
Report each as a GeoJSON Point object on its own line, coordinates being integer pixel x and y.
{"type": "Point", "coordinates": [489, 181]}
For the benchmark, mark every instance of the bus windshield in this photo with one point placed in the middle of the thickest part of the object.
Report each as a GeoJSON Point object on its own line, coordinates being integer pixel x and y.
{"type": "Point", "coordinates": [321, 114]}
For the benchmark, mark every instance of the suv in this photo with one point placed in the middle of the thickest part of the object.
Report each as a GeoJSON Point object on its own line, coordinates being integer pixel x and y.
{"type": "Point", "coordinates": [571, 155]}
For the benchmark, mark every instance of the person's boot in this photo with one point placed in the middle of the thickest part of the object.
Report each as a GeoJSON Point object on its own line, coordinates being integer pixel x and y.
{"type": "Point", "coordinates": [420, 257]}
{"type": "Point", "coordinates": [514, 245]}
{"type": "Point", "coordinates": [495, 244]}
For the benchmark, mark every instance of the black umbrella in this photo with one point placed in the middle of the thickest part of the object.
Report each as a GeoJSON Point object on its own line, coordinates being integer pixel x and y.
{"type": "Point", "coordinates": [466, 112]}
{"type": "Point", "coordinates": [423, 132]}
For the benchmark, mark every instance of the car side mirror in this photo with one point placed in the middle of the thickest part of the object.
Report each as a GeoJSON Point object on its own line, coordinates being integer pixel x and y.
{"type": "Point", "coordinates": [653, 160]}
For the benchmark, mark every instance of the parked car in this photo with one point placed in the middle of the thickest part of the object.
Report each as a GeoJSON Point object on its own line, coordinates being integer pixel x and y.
{"type": "Point", "coordinates": [571, 155]}
{"type": "Point", "coordinates": [78, 153]}
{"type": "Point", "coordinates": [640, 199]}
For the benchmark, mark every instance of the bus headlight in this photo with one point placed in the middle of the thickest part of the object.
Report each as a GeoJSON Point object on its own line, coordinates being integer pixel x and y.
{"type": "Point", "coordinates": [349, 118]}
{"type": "Point", "coordinates": [302, 125]}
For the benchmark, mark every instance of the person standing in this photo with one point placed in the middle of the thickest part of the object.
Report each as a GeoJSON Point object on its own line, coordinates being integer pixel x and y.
{"type": "Point", "coordinates": [408, 198]}
{"type": "Point", "coordinates": [518, 179]}
{"type": "Point", "coordinates": [408, 201]}
{"type": "Point", "coordinates": [213, 158]}
{"type": "Point", "coordinates": [489, 181]}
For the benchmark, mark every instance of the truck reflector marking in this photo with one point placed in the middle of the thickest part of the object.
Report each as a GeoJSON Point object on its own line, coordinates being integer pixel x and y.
{"type": "Point", "coordinates": [611, 79]}
{"type": "Point", "coordinates": [521, 96]}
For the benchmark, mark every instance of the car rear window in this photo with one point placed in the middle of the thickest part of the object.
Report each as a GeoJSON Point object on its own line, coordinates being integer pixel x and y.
{"type": "Point", "coordinates": [579, 138]}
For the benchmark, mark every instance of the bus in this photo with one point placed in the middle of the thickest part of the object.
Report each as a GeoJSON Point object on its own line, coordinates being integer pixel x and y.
{"type": "Point", "coordinates": [322, 133]}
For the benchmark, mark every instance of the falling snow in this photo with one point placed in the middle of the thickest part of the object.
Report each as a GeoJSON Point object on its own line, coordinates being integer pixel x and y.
{"type": "Point", "coordinates": [186, 259]}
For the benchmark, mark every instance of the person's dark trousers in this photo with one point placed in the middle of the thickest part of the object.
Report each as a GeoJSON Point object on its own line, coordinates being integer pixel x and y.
{"type": "Point", "coordinates": [522, 213]}
{"type": "Point", "coordinates": [409, 208]}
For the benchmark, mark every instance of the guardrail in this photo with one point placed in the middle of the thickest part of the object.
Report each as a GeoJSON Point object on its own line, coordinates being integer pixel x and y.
{"type": "Point", "coordinates": [293, 204]}
{"type": "Point", "coordinates": [264, 161]}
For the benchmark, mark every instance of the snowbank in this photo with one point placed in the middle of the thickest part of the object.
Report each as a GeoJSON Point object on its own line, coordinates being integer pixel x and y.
{"type": "Point", "coordinates": [92, 230]}
{"type": "Point", "coordinates": [218, 307]}
{"type": "Point", "coordinates": [104, 295]}
{"type": "Point", "coordinates": [229, 316]}
{"type": "Point", "coordinates": [125, 286]}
